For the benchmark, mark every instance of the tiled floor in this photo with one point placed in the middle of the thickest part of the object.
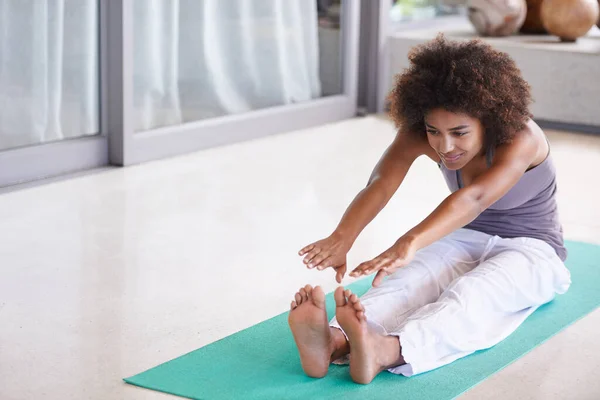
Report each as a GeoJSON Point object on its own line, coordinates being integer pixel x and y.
{"type": "Point", "coordinates": [106, 275]}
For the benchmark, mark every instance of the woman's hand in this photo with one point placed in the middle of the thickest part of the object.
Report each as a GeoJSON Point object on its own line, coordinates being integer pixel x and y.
{"type": "Point", "coordinates": [397, 256]}
{"type": "Point", "coordinates": [328, 252]}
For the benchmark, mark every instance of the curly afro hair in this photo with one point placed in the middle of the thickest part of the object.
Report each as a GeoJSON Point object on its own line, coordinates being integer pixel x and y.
{"type": "Point", "coordinates": [467, 77]}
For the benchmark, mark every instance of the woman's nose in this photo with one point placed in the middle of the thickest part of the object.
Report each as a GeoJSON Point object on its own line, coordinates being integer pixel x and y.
{"type": "Point", "coordinates": [446, 144]}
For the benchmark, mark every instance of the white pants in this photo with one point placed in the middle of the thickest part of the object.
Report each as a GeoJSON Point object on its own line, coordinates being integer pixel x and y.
{"type": "Point", "coordinates": [464, 293]}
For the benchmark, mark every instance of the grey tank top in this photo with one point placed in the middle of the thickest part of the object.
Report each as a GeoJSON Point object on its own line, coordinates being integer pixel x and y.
{"type": "Point", "coordinates": [529, 208]}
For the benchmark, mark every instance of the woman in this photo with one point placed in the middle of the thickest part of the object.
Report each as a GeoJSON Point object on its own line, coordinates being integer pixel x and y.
{"type": "Point", "coordinates": [491, 253]}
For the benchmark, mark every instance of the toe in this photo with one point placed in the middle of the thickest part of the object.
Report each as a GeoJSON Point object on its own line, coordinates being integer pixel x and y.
{"type": "Point", "coordinates": [298, 299]}
{"type": "Point", "coordinates": [293, 305]}
{"type": "Point", "coordinates": [308, 289]}
{"type": "Point", "coordinates": [347, 293]}
{"type": "Point", "coordinates": [355, 301]}
{"type": "Point", "coordinates": [361, 316]}
{"type": "Point", "coordinates": [318, 296]}
{"type": "Point", "coordinates": [303, 294]}
{"type": "Point", "coordinates": [358, 306]}
{"type": "Point", "coordinates": [340, 299]}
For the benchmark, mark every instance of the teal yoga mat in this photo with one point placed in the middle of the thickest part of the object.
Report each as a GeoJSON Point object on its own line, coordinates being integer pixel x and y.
{"type": "Point", "coordinates": [261, 362]}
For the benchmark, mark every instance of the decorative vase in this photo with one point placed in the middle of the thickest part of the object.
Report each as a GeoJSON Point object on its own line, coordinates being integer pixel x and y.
{"type": "Point", "coordinates": [569, 19]}
{"type": "Point", "coordinates": [497, 17]}
{"type": "Point", "coordinates": [533, 19]}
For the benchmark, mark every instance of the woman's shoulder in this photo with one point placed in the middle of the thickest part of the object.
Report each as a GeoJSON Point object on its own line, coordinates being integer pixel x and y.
{"type": "Point", "coordinates": [530, 142]}
{"type": "Point", "coordinates": [416, 144]}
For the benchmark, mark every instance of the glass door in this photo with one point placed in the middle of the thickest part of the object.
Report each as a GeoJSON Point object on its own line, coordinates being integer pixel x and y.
{"type": "Point", "coordinates": [49, 89]}
{"type": "Point", "coordinates": [211, 72]}
{"type": "Point", "coordinates": [89, 83]}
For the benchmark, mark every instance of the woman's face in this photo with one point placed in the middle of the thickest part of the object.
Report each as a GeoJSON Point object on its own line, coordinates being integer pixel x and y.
{"type": "Point", "coordinates": [457, 138]}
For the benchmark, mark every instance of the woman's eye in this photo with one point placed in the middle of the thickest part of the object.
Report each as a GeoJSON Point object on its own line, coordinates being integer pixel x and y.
{"type": "Point", "coordinates": [460, 133]}
{"type": "Point", "coordinates": [432, 132]}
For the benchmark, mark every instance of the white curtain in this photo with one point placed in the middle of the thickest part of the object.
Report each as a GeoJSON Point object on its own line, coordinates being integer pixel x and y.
{"type": "Point", "coordinates": [196, 59]}
{"type": "Point", "coordinates": [48, 70]}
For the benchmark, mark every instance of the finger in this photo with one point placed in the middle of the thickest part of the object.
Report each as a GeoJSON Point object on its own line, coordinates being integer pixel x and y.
{"type": "Point", "coordinates": [369, 269]}
{"type": "Point", "coordinates": [326, 263]}
{"type": "Point", "coordinates": [379, 277]}
{"type": "Point", "coordinates": [377, 264]}
{"type": "Point", "coordinates": [363, 268]}
{"type": "Point", "coordinates": [311, 254]}
{"type": "Point", "coordinates": [386, 266]}
{"type": "Point", "coordinates": [340, 273]}
{"type": "Point", "coordinates": [360, 269]}
{"type": "Point", "coordinates": [306, 249]}
{"type": "Point", "coordinates": [319, 261]}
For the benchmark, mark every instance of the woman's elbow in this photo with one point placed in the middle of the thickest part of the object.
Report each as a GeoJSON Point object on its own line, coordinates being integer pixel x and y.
{"type": "Point", "coordinates": [472, 200]}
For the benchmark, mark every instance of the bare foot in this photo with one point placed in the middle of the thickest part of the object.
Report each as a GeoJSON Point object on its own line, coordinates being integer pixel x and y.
{"type": "Point", "coordinates": [370, 352]}
{"type": "Point", "coordinates": [310, 327]}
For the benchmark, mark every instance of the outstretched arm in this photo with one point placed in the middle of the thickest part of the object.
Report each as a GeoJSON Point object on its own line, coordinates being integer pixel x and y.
{"type": "Point", "coordinates": [385, 179]}
{"type": "Point", "coordinates": [460, 208]}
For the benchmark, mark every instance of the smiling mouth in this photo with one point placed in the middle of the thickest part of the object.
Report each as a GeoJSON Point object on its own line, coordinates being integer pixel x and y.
{"type": "Point", "coordinates": [452, 159]}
